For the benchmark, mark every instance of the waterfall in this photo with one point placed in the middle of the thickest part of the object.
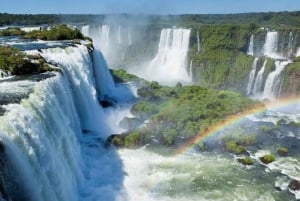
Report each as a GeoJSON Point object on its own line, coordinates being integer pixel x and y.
{"type": "Point", "coordinates": [76, 62]}
{"type": "Point", "coordinates": [298, 52]}
{"type": "Point", "coordinates": [271, 44]}
{"type": "Point", "coordinates": [104, 32]}
{"type": "Point", "coordinates": [41, 142]}
{"type": "Point", "coordinates": [272, 84]}
{"type": "Point", "coordinates": [290, 44]}
{"type": "Point", "coordinates": [191, 70]}
{"type": "Point", "coordinates": [259, 80]}
{"type": "Point", "coordinates": [198, 42]}
{"type": "Point", "coordinates": [85, 30]}
{"type": "Point", "coordinates": [54, 140]}
{"type": "Point", "coordinates": [129, 37]}
{"type": "Point", "coordinates": [119, 35]}
{"type": "Point", "coordinates": [252, 76]}
{"type": "Point", "coordinates": [169, 64]}
{"type": "Point", "coordinates": [251, 46]}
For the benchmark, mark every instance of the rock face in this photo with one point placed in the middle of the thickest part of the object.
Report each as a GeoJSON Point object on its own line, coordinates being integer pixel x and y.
{"type": "Point", "coordinates": [294, 185]}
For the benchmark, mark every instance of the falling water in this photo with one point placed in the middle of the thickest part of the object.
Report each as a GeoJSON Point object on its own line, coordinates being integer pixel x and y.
{"type": "Point", "coordinates": [86, 30]}
{"type": "Point", "coordinates": [290, 44]}
{"type": "Point", "coordinates": [104, 37]}
{"type": "Point", "coordinates": [198, 42]}
{"type": "Point", "coordinates": [191, 70]}
{"type": "Point", "coordinates": [169, 64]}
{"type": "Point", "coordinates": [250, 48]}
{"type": "Point", "coordinates": [252, 76]}
{"type": "Point", "coordinates": [259, 80]}
{"type": "Point", "coordinates": [129, 37]}
{"type": "Point", "coordinates": [272, 84]}
{"type": "Point", "coordinates": [119, 35]}
{"type": "Point", "coordinates": [271, 44]}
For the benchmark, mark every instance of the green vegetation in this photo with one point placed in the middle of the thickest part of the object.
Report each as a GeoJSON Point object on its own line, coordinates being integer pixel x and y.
{"type": "Point", "coordinates": [233, 147]}
{"type": "Point", "coordinates": [59, 32]}
{"type": "Point", "coordinates": [265, 129]}
{"type": "Point", "coordinates": [267, 159]}
{"type": "Point", "coordinates": [14, 61]}
{"type": "Point", "coordinates": [182, 112]}
{"type": "Point", "coordinates": [121, 76]}
{"type": "Point", "coordinates": [291, 81]}
{"type": "Point", "coordinates": [246, 139]}
{"type": "Point", "coordinates": [12, 32]}
{"type": "Point", "coordinates": [222, 62]}
{"type": "Point", "coordinates": [282, 151]}
{"type": "Point", "coordinates": [245, 161]}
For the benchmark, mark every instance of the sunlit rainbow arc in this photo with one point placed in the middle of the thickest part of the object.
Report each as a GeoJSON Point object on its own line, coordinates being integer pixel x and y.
{"type": "Point", "coordinates": [230, 120]}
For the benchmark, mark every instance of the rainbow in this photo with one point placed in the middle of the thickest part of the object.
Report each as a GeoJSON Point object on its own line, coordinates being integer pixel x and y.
{"type": "Point", "coordinates": [234, 119]}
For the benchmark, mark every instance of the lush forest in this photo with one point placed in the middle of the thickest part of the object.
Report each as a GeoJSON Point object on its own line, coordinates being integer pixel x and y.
{"type": "Point", "coordinates": [262, 19]}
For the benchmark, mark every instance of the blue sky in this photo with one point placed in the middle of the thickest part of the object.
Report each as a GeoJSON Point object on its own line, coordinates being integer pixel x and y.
{"type": "Point", "coordinates": [146, 6]}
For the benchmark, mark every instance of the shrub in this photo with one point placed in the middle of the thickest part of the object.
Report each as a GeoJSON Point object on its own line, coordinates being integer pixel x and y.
{"type": "Point", "coordinates": [282, 151]}
{"type": "Point", "coordinates": [245, 161]}
{"type": "Point", "coordinates": [267, 159]}
{"type": "Point", "coordinates": [233, 147]}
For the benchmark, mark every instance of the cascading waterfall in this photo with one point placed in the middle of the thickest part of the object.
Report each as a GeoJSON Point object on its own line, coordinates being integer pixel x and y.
{"type": "Point", "coordinates": [298, 52]}
{"type": "Point", "coordinates": [104, 32]}
{"type": "Point", "coordinates": [251, 46]}
{"type": "Point", "coordinates": [191, 69]}
{"type": "Point", "coordinates": [119, 35]}
{"type": "Point", "coordinates": [252, 76]}
{"type": "Point", "coordinates": [169, 64]}
{"type": "Point", "coordinates": [41, 141]}
{"type": "Point", "coordinates": [129, 37]}
{"type": "Point", "coordinates": [85, 30]}
{"type": "Point", "coordinates": [290, 44]}
{"type": "Point", "coordinates": [198, 42]}
{"type": "Point", "coordinates": [271, 44]}
{"type": "Point", "coordinates": [272, 85]}
{"type": "Point", "coordinates": [259, 80]}
{"type": "Point", "coordinates": [55, 138]}
{"type": "Point", "coordinates": [74, 62]}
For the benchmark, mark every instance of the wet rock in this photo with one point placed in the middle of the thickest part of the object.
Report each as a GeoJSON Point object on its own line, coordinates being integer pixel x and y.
{"type": "Point", "coordinates": [294, 185]}
{"type": "Point", "coordinates": [116, 140]}
{"type": "Point", "coordinates": [2, 147]}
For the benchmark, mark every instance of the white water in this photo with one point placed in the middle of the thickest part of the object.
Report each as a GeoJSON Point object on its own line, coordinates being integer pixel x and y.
{"type": "Point", "coordinates": [298, 52]}
{"type": "Point", "coordinates": [191, 69]}
{"type": "Point", "coordinates": [252, 76]}
{"type": "Point", "coordinates": [119, 35]}
{"type": "Point", "coordinates": [198, 42]}
{"type": "Point", "coordinates": [104, 35]}
{"type": "Point", "coordinates": [193, 177]}
{"type": "Point", "coordinates": [169, 65]}
{"type": "Point", "coordinates": [41, 141]}
{"type": "Point", "coordinates": [251, 44]}
{"type": "Point", "coordinates": [272, 84]}
{"type": "Point", "coordinates": [55, 138]}
{"type": "Point", "coordinates": [271, 44]}
{"type": "Point", "coordinates": [290, 44]}
{"type": "Point", "coordinates": [259, 80]}
{"type": "Point", "coordinates": [85, 30]}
